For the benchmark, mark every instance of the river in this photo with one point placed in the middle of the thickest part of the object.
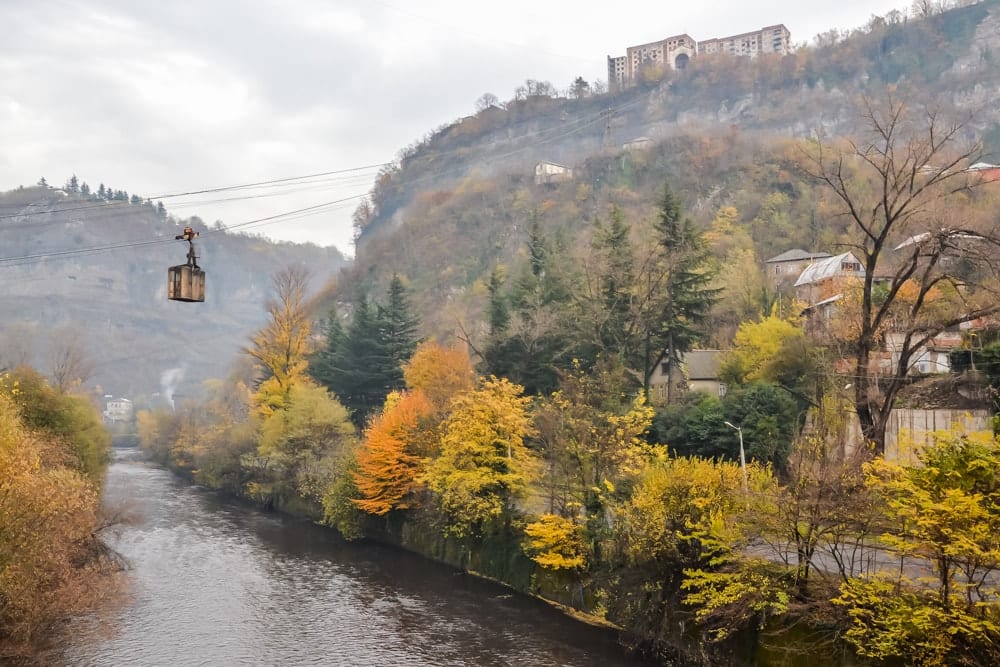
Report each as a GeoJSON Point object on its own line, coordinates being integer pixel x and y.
{"type": "Point", "coordinates": [215, 581]}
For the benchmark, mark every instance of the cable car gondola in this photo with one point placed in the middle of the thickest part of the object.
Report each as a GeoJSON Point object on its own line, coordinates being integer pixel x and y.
{"type": "Point", "coordinates": [186, 282]}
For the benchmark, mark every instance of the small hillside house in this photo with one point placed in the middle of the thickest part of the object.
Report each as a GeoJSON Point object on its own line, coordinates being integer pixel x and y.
{"type": "Point", "coordinates": [550, 172]}
{"type": "Point", "coordinates": [699, 372]}
{"type": "Point", "coordinates": [789, 265]}
{"type": "Point", "coordinates": [826, 277]}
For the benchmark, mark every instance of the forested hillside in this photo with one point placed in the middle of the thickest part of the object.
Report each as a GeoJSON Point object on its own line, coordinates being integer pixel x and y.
{"type": "Point", "coordinates": [84, 290]}
{"type": "Point", "coordinates": [724, 133]}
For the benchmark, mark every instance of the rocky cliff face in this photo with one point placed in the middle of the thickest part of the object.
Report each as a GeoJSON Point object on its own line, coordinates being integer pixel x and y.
{"type": "Point", "coordinates": [93, 275]}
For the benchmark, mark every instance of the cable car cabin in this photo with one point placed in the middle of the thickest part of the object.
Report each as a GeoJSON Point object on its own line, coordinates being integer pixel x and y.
{"type": "Point", "coordinates": [185, 283]}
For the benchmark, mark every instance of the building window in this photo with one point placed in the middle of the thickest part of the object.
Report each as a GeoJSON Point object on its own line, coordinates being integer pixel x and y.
{"type": "Point", "coordinates": [664, 368]}
{"type": "Point", "coordinates": [722, 390]}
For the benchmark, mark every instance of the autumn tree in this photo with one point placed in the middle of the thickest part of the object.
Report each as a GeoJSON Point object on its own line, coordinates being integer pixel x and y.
{"type": "Point", "coordinates": [281, 346]}
{"type": "Point", "coordinates": [440, 373]}
{"type": "Point", "coordinates": [50, 557]}
{"type": "Point", "coordinates": [558, 545]}
{"type": "Point", "coordinates": [943, 512]}
{"type": "Point", "coordinates": [685, 523]}
{"type": "Point", "coordinates": [902, 184]}
{"type": "Point", "coordinates": [484, 465]}
{"type": "Point", "coordinates": [69, 419]}
{"type": "Point", "coordinates": [592, 435]}
{"type": "Point", "coordinates": [773, 350]}
{"type": "Point", "coordinates": [299, 443]}
{"type": "Point", "coordinates": [388, 463]}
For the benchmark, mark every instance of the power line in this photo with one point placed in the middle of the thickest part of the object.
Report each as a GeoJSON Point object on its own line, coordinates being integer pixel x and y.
{"type": "Point", "coordinates": [293, 180]}
{"type": "Point", "coordinates": [294, 214]}
{"type": "Point", "coordinates": [31, 259]}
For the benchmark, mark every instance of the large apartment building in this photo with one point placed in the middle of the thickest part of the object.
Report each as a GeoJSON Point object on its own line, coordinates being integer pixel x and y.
{"type": "Point", "coordinates": [675, 52]}
{"type": "Point", "coordinates": [772, 39]}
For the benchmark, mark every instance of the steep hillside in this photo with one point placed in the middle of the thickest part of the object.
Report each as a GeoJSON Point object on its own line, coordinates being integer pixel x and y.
{"type": "Point", "coordinates": [92, 274]}
{"type": "Point", "coordinates": [722, 132]}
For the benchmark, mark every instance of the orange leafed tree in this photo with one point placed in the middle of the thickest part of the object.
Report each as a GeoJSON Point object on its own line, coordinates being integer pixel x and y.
{"type": "Point", "coordinates": [387, 464]}
{"type": "Point", "coordinates": [441, 373]}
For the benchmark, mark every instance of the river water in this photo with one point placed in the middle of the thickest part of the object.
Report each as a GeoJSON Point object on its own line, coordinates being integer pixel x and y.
{"type": "Point", "coordinates": [215, 581]}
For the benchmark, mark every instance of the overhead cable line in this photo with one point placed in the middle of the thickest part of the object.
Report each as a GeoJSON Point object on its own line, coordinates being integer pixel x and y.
{"type": "Point", "coordinates": [31, 259]}
{"type": "Point", "coordinates": [297, 213]}
{"type": "Point", "coordinates": [293, 180]}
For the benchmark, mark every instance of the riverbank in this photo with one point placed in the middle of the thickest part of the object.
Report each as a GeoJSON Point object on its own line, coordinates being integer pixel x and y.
{"type": "Point", "coordinates": [53, 456]}
{"type": "Point", "coordinates": [217, 578]}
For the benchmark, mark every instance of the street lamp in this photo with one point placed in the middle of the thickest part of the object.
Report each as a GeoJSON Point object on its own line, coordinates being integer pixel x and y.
{"type": "Point", "coordinates": [743, 456]}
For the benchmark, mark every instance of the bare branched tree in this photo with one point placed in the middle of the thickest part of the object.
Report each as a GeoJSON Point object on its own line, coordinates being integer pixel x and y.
{"type": "Point", "coordinates": [70, 363]}
{"type": "Point", "coordinates": [930, 255]}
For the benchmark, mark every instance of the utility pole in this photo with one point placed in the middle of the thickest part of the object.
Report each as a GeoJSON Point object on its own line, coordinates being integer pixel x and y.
{"type": "Point", "coordinates": [743, 456]}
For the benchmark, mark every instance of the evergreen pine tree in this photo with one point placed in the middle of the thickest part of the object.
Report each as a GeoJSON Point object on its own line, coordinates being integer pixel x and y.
{"type": "Point", "coordinates": [398, 328]}
{"type": "Point", "coordinates": [85, 189]}
{"type": "Point", "coordinates": [615, 332]}
{"type": "Point", "coordinates": [322, 363]}
{"type": "Point", "coordinates": [533, 344]}
{"type": "Point", "coordinates": [358, 373]}
{"type": "Point", "coordinates": [499, 316]}
{"type": "Point", "coordinates": [102, 193]}
{"type": "Point", "coordinates": [686, 297]}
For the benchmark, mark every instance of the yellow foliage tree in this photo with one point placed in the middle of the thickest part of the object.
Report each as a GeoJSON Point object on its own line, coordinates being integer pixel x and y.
{"type": "Point", "coordinates": [281, 346]}
{"type": "Point", "coordinates": [593, 437]}
{"type": "Point", "coordinates": [484, 464]}
{"type": "Point", "coordinates": [556, 543]}
{"type": "Point", "coordinates": [300, 442]}
{"type": "Point", "coordinates": [684, 528]}
{"type": "Point", "coordinates": [773, 349]}
{"type": "Point", "coordinates": [48, 512]}
{"type": "Point", "coordinates": [943, 512]}
{"type": "Point", "coordinates": [387, 468]}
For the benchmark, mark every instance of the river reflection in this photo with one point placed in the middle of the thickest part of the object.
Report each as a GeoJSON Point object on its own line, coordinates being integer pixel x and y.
{"type": "Point", "coordinates": [218, 582]}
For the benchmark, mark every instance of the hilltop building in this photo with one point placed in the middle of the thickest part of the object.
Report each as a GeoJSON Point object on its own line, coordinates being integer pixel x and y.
{"type": "Point", "coordinates": [772, 39]}
{"type": "Point", "coordinates": [673, 52]}
{"type": "Point", "coordinates": [677, 51]}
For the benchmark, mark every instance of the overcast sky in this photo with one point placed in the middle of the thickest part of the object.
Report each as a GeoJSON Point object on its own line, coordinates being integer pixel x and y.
{"type": "Point", "coordinates": [165, 96]}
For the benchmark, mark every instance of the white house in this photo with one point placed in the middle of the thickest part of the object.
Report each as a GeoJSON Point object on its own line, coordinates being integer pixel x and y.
{"type": "Point", "coordinates": [117, 410]}
{"type": "Point", "coordinates": [550, 172]}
